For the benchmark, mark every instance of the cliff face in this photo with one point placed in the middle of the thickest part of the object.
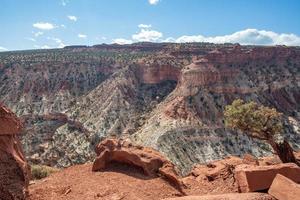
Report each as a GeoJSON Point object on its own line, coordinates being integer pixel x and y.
{"type": "Point", "coordinates": [156, 74]}
{"type": "Point", "coordinates": [188, 126]}
{"type": "Point", "coordinates": [14, 173]}
{"type": "Point", "coordinates": [167, 96]}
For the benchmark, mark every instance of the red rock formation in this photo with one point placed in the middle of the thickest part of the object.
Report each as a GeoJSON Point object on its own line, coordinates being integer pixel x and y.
{"type": "Point", "coordinates": [256, 178]}
{"type": "Point", "coordinates": [203, 73]}
{"type": "Point", "coordinates": [157, 74]}
{"type": "Point", "coordinates": [220, 168]}
{"type": "Point", "coordinates": [283, 188]}
{"type": "Point", "coordinates": [150, 161]}
{"type": "Point", "coordinates": [216, 177]}
{"type": "Point", "coordinates": [14, 173]}
{"type": "Point", "coordinates": [9, 125]}
{"type": "Point", "coordinates": [239, 55]}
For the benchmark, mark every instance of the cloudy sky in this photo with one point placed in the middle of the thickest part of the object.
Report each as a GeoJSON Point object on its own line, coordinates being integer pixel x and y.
{"type": "Point", "coordinates": [33, 24]}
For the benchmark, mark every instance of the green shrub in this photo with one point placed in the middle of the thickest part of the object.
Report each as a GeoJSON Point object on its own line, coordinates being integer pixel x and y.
{"type": "Point", "coordinates": [41, 171]}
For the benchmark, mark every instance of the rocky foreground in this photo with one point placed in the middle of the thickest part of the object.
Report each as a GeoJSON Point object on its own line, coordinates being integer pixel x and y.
{"type": "Point", "coordinates": [124, 171]}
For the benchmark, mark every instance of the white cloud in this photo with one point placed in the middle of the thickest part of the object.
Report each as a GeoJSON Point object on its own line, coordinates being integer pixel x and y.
{"type": "Point", "coordinates": [64, 2]}
{"type": "Point", "coordinates": [61, 45]}
{"type": "Point", "coordinates": [31, 39]}
{"type": "Point", "coordinates": [3, 49]}
{"type": "Point", "coordinates": [146, 35]}
{"type": "Point", "coordinates": [248, 36]}
{"type": "Point", "coordinates": [58, 41]}
{"type": "Point", "coordinates": [245, 37]}
{"type": "Point", "coordinates": [43, 26]}
{"type": "Point", "coordinates": [63, 26]}
{"type": "Point", "coordinates": [83, 36]}
{"type": "Point", "coordinates": [72, 18]}
{"type": "Point", "coordinates": [37, 34]}
{"type": "Point", "coordinates": [145, 26]}
{"type": "Point", "coordinates": [153, 2]}
{"type": "Point", "coordinates": [45, 47]}
{"type": "Point", "coordinates": [121, 41]}
{"type": "Point", "coordinates": [169, 39]}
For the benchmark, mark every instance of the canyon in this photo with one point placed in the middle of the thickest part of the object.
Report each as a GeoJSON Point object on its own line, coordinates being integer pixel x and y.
{"type": "Point", "coordinates": [166, 96]}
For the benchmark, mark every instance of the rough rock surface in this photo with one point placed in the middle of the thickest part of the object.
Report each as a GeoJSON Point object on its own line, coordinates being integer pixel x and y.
{"type": "Point", "coordinates": [170, 97]}
{"type": "Point", "coordinates": [258, 178]}
{"type": "Point", "coordinates": [283, 188]}
{"type": "Point", "coordinates": [14, 173]}
{"type": "Point", "coordinates": [151, 162]}
{"type": "Point", "coordinates": [216, 177]}
{"type": "Point", "coordinates": [46, 142]}
{"type": "Point", "coordinates": [129, 182]}
{"type": "Point", "coordinates": [232, 196]}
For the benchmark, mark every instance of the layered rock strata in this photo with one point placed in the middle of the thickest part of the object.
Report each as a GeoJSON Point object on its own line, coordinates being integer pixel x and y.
{"type": "Point", "coordinates": [170, 97]}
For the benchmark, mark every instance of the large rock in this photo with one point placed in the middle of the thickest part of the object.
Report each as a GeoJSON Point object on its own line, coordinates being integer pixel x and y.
{"type": "Point", "coordinates": [257, 178]}
{"type": "Point", "coordinates": [231, 196]}
{"type": "Point", "coordinates": [14, 173]}
{"type": "Point", "coordinates": [283, 188]}
{"type": "Point", "coordinates": [150, 161]}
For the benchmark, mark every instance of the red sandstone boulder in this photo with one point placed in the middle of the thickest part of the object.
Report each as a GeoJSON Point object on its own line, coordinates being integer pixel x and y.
{"type": "Point", "coordinates": [220, 167]}
{"type": "Point", "coordinates": [231, 196]}
{"type": "Point", "coordinates": [283, 188]}
{"type": "Point", "coordinates": [256, 178]}
{"type": "Point", "coordinates": [14, 173]}
{"type": "Point", "coordinates": [150, 161]}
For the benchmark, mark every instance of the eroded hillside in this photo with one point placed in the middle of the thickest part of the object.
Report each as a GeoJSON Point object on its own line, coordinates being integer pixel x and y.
{"type": "Point", "coordinates": [167, 96]}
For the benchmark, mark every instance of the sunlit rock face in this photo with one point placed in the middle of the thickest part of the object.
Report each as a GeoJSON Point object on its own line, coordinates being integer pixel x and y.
{"type": "Point", "coordinates": [167, 96]}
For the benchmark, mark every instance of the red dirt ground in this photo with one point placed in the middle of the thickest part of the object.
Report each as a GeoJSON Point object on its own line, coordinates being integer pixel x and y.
{"type": "Point", "coordinates": [120, 183]}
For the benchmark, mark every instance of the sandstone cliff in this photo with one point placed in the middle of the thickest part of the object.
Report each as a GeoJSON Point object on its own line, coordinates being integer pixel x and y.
{"type": "Point", "coordinates": [14, 173]}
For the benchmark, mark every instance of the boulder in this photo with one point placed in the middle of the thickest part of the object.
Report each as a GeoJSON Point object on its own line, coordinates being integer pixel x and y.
{"type": "Point", "coordinates": [283, 188]}
{"type": "Point", "coordinates": [150, 161]}
{"type": "Point", "coordinates": [258, 178]}
{"type": "Point", "coordinates": [219, 168]}
{"type": "Point", "coordinates": [14, 171]}
{"type": "Point", "coordinates": [231, 196]}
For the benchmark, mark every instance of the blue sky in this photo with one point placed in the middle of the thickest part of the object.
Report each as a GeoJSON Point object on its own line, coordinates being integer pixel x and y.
{"type": "Point", "coordinates": [31, 24]}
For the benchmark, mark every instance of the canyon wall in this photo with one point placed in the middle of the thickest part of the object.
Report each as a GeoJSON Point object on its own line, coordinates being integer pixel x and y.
{"type": "Point", "coordinates": [159, 95]}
